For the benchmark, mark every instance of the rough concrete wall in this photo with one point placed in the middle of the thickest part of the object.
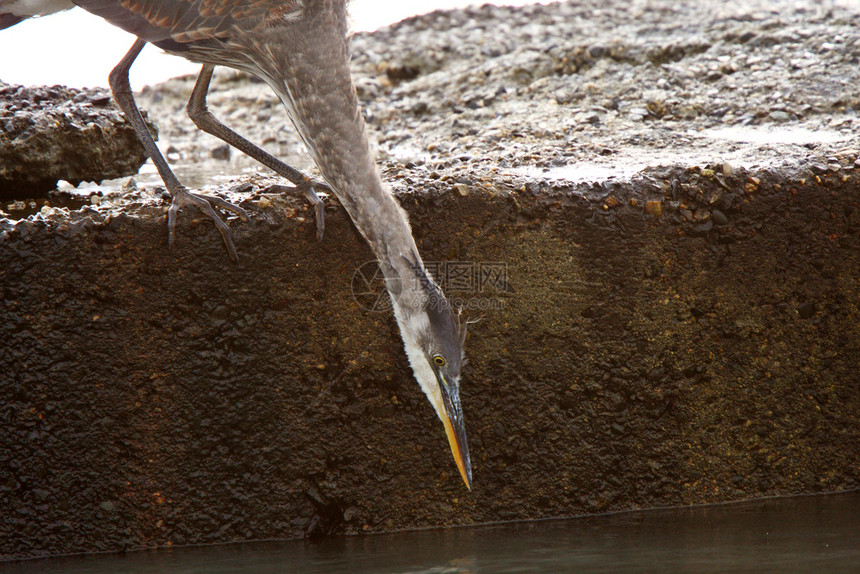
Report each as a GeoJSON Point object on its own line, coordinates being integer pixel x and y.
{"type": "Point", "coordinates": [153, 397]}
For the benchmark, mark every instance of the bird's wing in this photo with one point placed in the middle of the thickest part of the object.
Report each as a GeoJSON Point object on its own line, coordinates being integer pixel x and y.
{"type": "Point", "coordinates": [186, 21]}
{"type": "Point", "coordinates": [7, 20]}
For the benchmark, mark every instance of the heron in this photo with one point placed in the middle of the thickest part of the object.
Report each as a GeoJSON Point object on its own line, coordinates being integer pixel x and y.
{"type": "Point", "coordinates": [300, 49]}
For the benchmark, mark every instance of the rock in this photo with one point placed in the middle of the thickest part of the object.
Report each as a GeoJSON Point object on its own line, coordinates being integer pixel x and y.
{"type": "Point", "coordinates": [57, 133]}
{"type": "Point", "coordinates": [638, 114]}
{"type": "Point", "coordinates": [701, 229]}
{"type": "Point", "coordinates": [222, 152]}
{"type": "Point", "coordinates": [654, 208]}
{"type": "Point", "coordinates": [719, 217]}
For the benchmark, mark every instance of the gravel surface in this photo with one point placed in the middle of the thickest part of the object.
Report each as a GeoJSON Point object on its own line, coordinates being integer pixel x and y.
{"type": "Point", "coordinates": [618, 85]}
{"type": "Point", "coordinates": [591, 91]}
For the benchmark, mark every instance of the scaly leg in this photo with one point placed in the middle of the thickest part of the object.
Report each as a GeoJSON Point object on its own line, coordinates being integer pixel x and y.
{"type": "Point", "coordinates": [203, 119]}
{"type": "Point", "coordinates": [124, 97]}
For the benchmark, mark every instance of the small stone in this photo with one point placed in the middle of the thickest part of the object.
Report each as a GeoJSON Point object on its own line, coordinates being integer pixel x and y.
{"type": "Point", "coordinates": [107, 506]}
{"type": "Point", "coordinates": [221, 152]}
{"type": "Point", "coordinates": [462, 189]}
{"type": "Point", "coordinates": [727, 168]}
{"type": "Point", "coordinates": [654, 208]}
{"type": "Point", "coordinates": [701, 229]}
{"type": "Point", "coordinates": [350, 513]}
{"type": "Point", "coordinates": [779, 116]}
{"type": "Point", "coordinates": [719, 217]}
{"type": "Point", "coordinates": [264, 202]}
{"type": "Point", "coordinates": [100, 100]}
{"type": "Point", "coordinates": [638, 114]}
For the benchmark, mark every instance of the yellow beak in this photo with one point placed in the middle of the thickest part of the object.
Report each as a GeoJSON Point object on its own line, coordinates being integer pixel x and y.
{"type": "Point", "coordinates": [455, 428]}
{"type": "Point", "coordinates": [462, 460]}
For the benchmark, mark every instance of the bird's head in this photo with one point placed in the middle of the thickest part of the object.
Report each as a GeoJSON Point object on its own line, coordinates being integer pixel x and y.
{"type": "Point", "coordinates": [433, 337]}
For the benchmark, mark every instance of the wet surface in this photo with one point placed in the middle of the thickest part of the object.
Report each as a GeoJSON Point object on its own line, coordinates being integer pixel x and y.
{"type": "Point", "coordinates": [811, 534]}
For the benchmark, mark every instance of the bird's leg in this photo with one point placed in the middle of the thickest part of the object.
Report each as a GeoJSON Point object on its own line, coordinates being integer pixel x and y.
{"type": "Point", "coordinates": [203, 119]}
{"type": "Point", "coordinates": [121, 89]}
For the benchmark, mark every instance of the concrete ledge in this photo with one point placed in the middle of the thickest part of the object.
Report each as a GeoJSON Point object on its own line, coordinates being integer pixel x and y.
{"type": "Point", "coordinates": [155, 397]}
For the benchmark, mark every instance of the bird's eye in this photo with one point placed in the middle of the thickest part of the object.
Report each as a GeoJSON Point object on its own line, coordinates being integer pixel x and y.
{"type": "Point", "coordinates": [439, 360]}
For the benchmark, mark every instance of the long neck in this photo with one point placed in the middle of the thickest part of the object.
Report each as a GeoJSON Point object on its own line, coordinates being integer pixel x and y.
{"type": "Point", "coordinates": [307, 64]}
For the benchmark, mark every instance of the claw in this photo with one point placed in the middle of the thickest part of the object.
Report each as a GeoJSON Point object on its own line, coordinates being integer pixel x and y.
{"type": "Point", "coordinates": [204, 203]}
{"type": "Point", "coordinates": [309, 188]}
{"type": "Point", "coordinates": [319, 209]}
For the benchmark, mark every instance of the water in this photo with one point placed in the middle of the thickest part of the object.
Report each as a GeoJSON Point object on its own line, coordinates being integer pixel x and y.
{"type": "Point", "coordinates": [806, 534]}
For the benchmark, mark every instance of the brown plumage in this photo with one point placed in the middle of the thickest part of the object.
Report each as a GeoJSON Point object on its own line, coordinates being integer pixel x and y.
{"type": "Point", "coordinates": [182, 21]}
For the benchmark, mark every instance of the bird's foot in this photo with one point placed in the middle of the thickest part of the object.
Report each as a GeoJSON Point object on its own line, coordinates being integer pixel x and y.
{"type": "Point", "coordinates": [309, 189]}
{"type": "Point", "coordinates": [204, 203]}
